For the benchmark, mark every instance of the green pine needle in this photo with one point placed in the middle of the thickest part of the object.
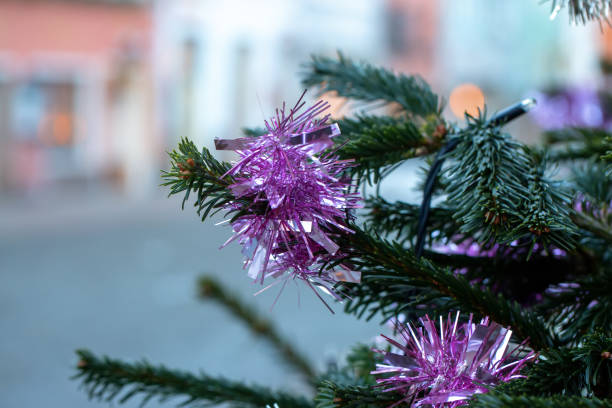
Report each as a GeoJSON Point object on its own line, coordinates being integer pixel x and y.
{"type": "Point", "coordinates": [113, 380]}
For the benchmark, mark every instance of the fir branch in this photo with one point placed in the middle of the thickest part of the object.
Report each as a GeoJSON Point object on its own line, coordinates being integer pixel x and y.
{"type": "Point", "coordinates": [210, 288]}
{"type": "Point", "coordinates": [378, 143]}
{"type": "Point", "coordinates": [400, 219]}
{"type": "Point", "coordinates": [509, 273]}
{"type": "Point", "coordinates": [594, 225]}
{"type": "Point", "coordinates": [585, 370]}
{"type": "Point", "coordinates": [491, 400]}
{"type": "Point", "coordinates": [364, 82]}
{"type": "Point", "coordinates": [108, 379]}
{"type": "Point", "coordinates": [593, 200]}
{"type": "Point", "coordinates": [360, 362]}
{"type": "Point", "coordinates": [332, 395]}
{"type": "Point", "coordinates": [583, 11]}
{"type": "Point", "coordinates": [393, 277]}
{"type": "Point", "coordinates": [607, 156]}
{"type": "Point", "coordinates": [581, 306]}
{"type": "Point", "coordinates": [576, 143]}
{"type": "Point", "coordinates": [546, 212]}
{"type": "Point", "coordinates": [499, 191]}
{"type": "Point", "coordinates": [586, 135]}
{"type": "Point", "coordinates": [201, 173]}
{"type": "Point", "coordinates": [591, 181]}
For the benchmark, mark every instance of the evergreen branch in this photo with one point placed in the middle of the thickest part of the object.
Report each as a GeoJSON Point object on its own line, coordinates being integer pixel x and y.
{"type": "Point", "coordinates": [607, 156]}
{"type": "Point", "coordinates": [583, 11]}
{"type": "Point", "coordinates": [491, 400]}
{"type": "Point", "coordinates": [361, 361]}
{"type": "Point", "coordinates": [591, 181]}
{"type": "Point", "coordinates": [201, 173]}
{"type": "Point", "coordinates": [393, 277]}
{"type": "Point", "coordinates": [109, 379]}
{"type": "Point", "coordinates": [585, 370]}
{"type": "Point", "coordinates": [209, 288]}
{"type": "Point", "coordinates": [593, 225]}
{"type": "Point", "coordinates": [509, 273]}
{"type": "Point", "coordinates": [401, 219]}
{"type": "Point", "coordinates": [593, 201]}
{"type": "Point", "coordinates": [332, 395]}
{"type": "Point", "coordinates": [546, 212]}
{"type": "Point", "coordinates": [499, 191]}
{"type": "Point", "coordinates": [587, 135]}
{"type": "Point", "coordinates": [576, 143]}
{"type": "Point", "coordinates": [378, 143]}
{"type": "Point", "coordinates": [581, 306]}
{"type": "Point", "coordinates": [364, 82]}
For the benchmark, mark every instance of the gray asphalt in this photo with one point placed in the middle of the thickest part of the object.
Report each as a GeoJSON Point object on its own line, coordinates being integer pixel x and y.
{"type": "Point", "coordinates": [118, 277]}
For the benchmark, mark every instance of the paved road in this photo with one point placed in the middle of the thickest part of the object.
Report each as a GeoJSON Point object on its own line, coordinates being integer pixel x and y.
{"type": "Point", "coordinates": [117, 277]}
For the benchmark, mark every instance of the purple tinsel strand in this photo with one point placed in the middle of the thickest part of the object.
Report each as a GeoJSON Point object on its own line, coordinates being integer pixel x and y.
{"type": "Point", "coordinates": [304, 194]}
{"type": "Point", "coordinates": [445, 368]}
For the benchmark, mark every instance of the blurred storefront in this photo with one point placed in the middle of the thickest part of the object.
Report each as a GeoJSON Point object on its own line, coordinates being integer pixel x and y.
{"type": "Point", "coordinates": [75, 91]}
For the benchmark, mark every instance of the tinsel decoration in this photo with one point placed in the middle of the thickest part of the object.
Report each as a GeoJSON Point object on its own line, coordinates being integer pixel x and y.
{"type": "Point", "coordinates": [300, 198]}
{"type": "Point", "coordinates": [444, 368]}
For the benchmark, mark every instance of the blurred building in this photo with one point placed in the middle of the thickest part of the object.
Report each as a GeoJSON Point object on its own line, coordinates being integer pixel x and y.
{"type": "Point", "coordinates": [222, 65]}
{"type": "Point", "coordinates": [75, 93]}
{"type": "Point", "coordinates": [97, 90]}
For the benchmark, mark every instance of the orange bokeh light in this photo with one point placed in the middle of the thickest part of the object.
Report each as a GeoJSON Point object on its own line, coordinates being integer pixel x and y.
{"type": "Point", "coordinates": [466, 98]}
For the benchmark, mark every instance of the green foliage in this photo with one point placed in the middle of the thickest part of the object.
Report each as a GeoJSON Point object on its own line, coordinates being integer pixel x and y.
{"type": "Point", "coordinates": [591, 180]}
{"type": "Point", "coordinates": [395, 281]}
{"type": "Point", "coordinates": [113, 380]}
{"type": "Point", "coordinates": [583, 11]}
{"type": "Point", "coordinates": [201, 173]}
{"type": "Point", "coordinates": [364, 82]}
{"type": "Point", "coordinates": [400, 219]}
{"type": "Point", "coordinates": [576, 143]}
{"type": "Point", "coordinates": [583, 306]}
{"type": "Point", "coordinates": [379, 143]}
{"type": "Point", "coordinates": [594, 197]}
{"type": "Point", "coordinates": [578, 371]}
{"type": "Point", "coordinates": [362, 361]}
{"type": "Point", "coordinates": [332, 395]}
{"type": "Point", "coordinates": [351, 385]}
{"type": "Point", "coordinates": [522, 401]}
{"type": "Point", "coordinates": [607, 156]}
{"type": "Point", "coordinates": [499, 191]}
{"type": "Point", "coordinates": [211, 289]}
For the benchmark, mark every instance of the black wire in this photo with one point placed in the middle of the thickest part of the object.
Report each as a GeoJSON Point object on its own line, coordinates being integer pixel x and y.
{"type": "Point", "coordinates": [499, 119]}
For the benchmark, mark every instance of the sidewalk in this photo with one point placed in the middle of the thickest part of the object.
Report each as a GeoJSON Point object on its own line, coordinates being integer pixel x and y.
{"type": "Point", "coordinates": [118, 277]}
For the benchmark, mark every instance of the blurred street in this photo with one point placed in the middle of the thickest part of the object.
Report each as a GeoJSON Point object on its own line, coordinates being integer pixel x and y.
{"type": "Point", "coordinates": [119, 277]}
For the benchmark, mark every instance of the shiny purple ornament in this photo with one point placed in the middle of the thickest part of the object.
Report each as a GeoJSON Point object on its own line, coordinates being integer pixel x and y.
{"type": "Point", "coordinates": [298, 196]}
{"type": "Point", "coordinates": [445, 367]}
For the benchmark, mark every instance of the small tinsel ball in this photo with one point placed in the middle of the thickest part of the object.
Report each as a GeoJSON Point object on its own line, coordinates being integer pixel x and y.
{"type": "Point", "coordinates": [293, 198]}
{"type": "Point", "coordinates": [444, 368]}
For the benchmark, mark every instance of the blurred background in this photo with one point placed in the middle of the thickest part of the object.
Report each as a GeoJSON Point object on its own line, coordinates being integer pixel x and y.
{"type": "Point", "coordinates": [94, 92]}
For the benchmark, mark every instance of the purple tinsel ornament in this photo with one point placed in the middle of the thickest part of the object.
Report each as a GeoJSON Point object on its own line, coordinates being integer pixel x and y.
{"type": "Point", "coordinates": [445, 368]}
{"type": "Point", "coordinates": [299, 197]}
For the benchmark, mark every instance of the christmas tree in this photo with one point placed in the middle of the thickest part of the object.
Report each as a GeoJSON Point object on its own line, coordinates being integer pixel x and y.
{"type": "Point", "coordinates": [498, 286]}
